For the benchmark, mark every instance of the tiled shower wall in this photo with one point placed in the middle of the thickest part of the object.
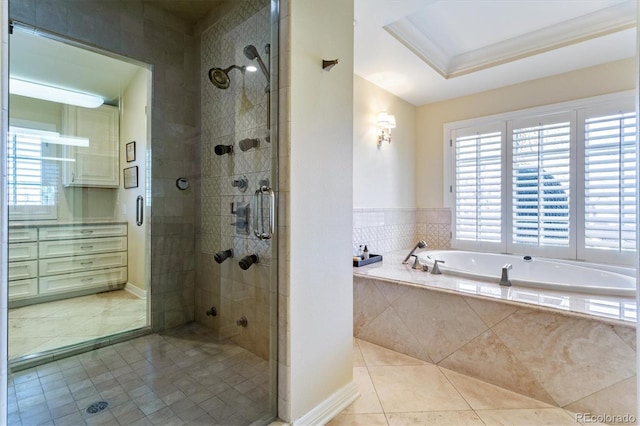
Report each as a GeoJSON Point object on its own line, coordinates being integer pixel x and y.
{"type": "Point", "coordinates": [139, 30]}
{"type": "Point", "coordinates": [384, 230]}
{"type": "Point", "coordinates": [228, 116]}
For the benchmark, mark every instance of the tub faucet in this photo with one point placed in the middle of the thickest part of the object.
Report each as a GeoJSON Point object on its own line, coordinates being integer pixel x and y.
{"type": "Point", "coordinates": [504, 279]}
{"type": "Point", "coordinates": [436, 270]}
{"type": "Point", "coordinates": [416, 263]}
{"type": "Point", "coordinates": [421, 244]}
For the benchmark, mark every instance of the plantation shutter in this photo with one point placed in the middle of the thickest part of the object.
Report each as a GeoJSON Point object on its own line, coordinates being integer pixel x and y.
{"type": "Point", "coordinates": [540, 184]}
{"type": "Point", "coordinates": [31, 175]}
{"type": "Point", "coordinates": [24, 169]}
{"type": "Point", "coordinates": [610, 182]}
{"type": "Point", "coordinates": [478, 184]}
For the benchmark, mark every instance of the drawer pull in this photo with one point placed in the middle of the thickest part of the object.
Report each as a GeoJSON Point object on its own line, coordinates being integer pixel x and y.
{"type": "Point", "coordinates": [86, 231]}
{"type": "Point", "coordinates": [86, 247]}
{"type": "Point", "coordinates": [139, 210]}
{"type": "Point", "coordinates": [86, 280]}
{"type": "Point", "coordinates": [86, 263]}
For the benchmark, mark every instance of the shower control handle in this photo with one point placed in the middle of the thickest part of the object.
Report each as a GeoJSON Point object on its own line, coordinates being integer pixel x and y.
{"type": "Point", "coordinates": [241, 183]}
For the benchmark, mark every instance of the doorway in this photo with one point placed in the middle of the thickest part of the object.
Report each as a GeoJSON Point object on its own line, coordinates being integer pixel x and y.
{"type": "Point", "coordinates": [77, 167]}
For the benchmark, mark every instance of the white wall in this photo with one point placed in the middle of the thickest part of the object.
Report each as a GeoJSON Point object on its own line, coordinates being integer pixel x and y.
{"type": "Point", "coordinates": [321, 197]}
{"type": "Point", "coordinates": [133, 127]}
{"type": "Point", "coordinates": [599, 80]}
{"type": "Point", "coordinates": [383, 176]}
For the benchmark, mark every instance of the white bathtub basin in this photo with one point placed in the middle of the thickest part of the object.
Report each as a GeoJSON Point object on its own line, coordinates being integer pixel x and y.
{"type": "Point", "coordinates": [538, 272]}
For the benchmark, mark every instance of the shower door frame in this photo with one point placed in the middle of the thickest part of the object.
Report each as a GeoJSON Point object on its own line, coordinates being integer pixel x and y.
{"type": "Point", "coordinates": [144, 180]}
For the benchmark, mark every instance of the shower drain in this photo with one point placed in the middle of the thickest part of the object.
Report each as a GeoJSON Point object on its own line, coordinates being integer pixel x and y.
{"type": "Point", "coordinates": [96, 407]}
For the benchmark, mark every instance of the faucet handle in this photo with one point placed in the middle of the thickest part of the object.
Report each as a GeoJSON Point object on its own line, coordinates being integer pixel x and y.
{"type": "Point", "coordinates": [416, 263]}
{"type": "Point", "coordinates": [435, 270]}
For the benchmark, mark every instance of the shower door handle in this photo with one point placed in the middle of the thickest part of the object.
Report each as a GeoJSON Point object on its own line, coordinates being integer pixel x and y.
{"type": "Point", "coordinates": [139, 210]}
{"type": "Point", "coordinates": [258, 213]}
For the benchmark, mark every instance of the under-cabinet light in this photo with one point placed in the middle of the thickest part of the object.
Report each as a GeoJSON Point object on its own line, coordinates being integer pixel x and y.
{"type": "Point", "coordinates": [53, 94]}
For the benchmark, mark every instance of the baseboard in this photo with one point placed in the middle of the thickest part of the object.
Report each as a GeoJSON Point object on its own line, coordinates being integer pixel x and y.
{"type": "Point", "coordinates": [136, 291]}
{"type": "Point", "coordinates": [322, 413]}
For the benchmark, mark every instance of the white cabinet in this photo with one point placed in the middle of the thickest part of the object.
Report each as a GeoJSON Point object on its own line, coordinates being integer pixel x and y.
{"type": "Point", "coordinates": [60, 284]}
{"type": "Point", "coordinates": [23, 263]}
{"type": "Point", "coordinates": [58, 261]}
{"type": "Point", "coordinates": [81, 246]}
{"type": "Point", "coordinates": [93, 153]}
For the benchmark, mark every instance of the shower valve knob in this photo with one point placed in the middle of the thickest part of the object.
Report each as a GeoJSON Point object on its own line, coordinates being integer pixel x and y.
{"type": "Point", "coordinates": [242, 322]}
{"type": "Point", "coordinates": [241, 183]}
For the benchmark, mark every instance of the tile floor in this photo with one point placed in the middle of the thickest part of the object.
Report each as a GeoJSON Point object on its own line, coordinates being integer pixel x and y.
{"type": "Point", "coordinates": [181, 377]}
{"type": "Point", "coordinates": [50, 325]}
{"type": "Point", "coordinates": [399, 390]}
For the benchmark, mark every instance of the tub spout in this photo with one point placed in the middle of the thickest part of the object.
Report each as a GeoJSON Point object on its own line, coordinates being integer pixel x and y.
{"type": "Point", "coordinates": [421, 244]}
{"type": "Point", "coordinates": [504, 278]}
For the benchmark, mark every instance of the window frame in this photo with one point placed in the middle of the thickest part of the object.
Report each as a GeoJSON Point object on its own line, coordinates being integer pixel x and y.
{"type": "Point", "coordinates": [576, 110]}
{"type": "Point", "coordinates": [22, 212]}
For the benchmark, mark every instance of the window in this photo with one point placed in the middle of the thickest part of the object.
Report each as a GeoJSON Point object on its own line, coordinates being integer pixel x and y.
{"type": "Point", "coordinates": [610, 182]}
{"type": "Point", "coordinates": [32, 174]}
{"type": "Point", "coordinates": [540, 162]}
{"type": "Point", "coordinates": [479, 187]}
{"type": "Point", "coordinates": [558, 181]}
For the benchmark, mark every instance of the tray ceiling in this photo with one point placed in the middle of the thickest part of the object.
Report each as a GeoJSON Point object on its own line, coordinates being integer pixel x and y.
{"type": "Point", "coordinates": [428, 50]}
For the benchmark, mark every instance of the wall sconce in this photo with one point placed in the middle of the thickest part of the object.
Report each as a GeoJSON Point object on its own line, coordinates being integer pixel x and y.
{"type": "Point", "coordinates": [386, 122]}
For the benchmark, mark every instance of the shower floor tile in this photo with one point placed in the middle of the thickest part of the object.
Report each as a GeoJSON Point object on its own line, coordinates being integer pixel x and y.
{"type": "Point", "coordinates": [182, 376]}
{"type": "Point", "coordinates": [51, 325]}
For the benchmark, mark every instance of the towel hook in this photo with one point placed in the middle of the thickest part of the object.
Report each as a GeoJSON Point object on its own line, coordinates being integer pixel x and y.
{"type": "Point", "coordinates": [328, 64]}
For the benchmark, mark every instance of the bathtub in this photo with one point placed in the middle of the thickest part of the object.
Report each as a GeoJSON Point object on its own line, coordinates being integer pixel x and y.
{"type": "Point", "coordinates": [538, 272]}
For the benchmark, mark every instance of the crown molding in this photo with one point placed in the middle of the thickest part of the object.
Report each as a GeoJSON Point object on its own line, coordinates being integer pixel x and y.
{"type": "Point", "coordinates": [619, 17]}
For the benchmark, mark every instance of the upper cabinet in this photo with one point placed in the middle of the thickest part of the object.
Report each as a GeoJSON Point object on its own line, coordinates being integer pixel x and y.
{"type": "Point", "coordinates": [93, 153]}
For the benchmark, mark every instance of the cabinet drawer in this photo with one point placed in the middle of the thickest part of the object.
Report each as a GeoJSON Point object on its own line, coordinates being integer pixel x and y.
{"type": "Point", "coordinates": [82, 231]}
{"type": "Point", "coordinates": [23, 251]}
{"type": "Point", "coordinates": [81, 247]}
{"type": "Point", "coordinates": [23, 270]}
{"type": "Point", "coordinates": [23, 288]}
{"type": "Point", "coordinates": [63, 265]}
{"type": "Point", "coordinates": [22, 235]}
{"type": "Point", "coordinates": [82, 280]}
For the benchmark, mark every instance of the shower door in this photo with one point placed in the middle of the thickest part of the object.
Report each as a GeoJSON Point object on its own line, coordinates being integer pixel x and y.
{"type": "Point", "coordinates": [77, 166]}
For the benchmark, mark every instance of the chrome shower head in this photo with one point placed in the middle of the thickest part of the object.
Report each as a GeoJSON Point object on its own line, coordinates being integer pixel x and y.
{"type": "Point", "coordinates": [251, 53]}
{"type": "Point", "coordinates": [220, 77]}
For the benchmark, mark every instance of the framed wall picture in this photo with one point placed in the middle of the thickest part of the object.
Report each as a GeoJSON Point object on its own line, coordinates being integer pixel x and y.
{"type": "Point", "coordinates": [130, 177]}
{"type": "Point", "coordinates": [131, 151]}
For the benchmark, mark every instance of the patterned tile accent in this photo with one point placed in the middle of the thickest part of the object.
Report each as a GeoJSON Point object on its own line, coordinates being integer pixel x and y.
{"type": "Point", "coordinates": [567, 361]}
{"type": "Point", "coordinates": [229, 116]}
{"type": "Point", "coordinates": [385, 230]}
